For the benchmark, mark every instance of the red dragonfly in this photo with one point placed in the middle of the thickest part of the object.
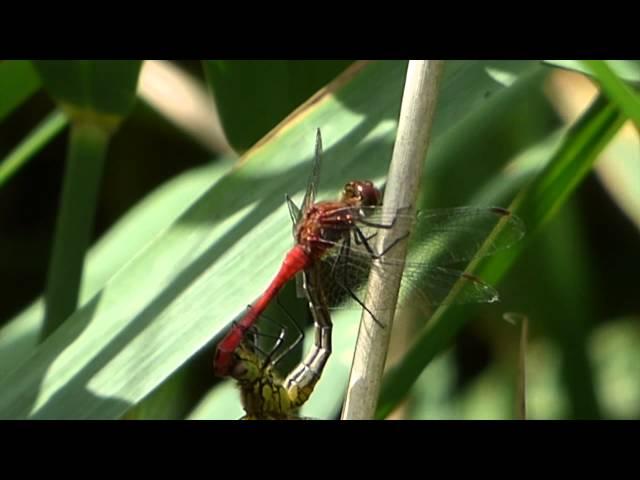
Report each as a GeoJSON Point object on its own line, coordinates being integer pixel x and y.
{"type": "Point", "coordinates": [335, 237]}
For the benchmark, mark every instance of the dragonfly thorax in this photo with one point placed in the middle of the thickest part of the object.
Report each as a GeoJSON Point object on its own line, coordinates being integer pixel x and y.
{"type": "Point", "coordinates": [325, 224]}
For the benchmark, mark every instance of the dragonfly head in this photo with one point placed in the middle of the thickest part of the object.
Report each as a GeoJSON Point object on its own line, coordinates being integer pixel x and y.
{"type": "Point", "coordinates": [361, 193]}
{"type": "Point", "coordinates": [246, 365]}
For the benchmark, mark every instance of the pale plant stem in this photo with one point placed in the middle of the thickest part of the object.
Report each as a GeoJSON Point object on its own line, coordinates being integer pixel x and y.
{"type": "Point", "coordinates": [412, 139]}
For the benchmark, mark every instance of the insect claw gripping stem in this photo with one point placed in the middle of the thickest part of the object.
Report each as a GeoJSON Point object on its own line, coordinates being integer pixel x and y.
{"type": "Point", "coordinates": [360, 242]}
{"type": "Point", "coordinates": [361, 303]}
{"type": "Point", "coordinates": [364, 221]}
{"type": "Point", "coordinates": [391, 245]}
{"type": "Point", "coordinates": [360, 239]}
{"type": "Point", "coordinates": [344, 250]}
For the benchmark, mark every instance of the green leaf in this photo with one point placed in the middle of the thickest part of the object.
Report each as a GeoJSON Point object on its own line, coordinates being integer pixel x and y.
{"type": "Point", "coordinates": [616, 89]}
{"type": "Point", "coordinates": [148, 219]}
{"type": "Point", "coordinates": [184, 288]}
{"type": "Point", "coordinates": [535, 205]}
{"type": "Point", "coordinates": [46, 130]}
{"type": "Point", "coordinates": [106, 87]}
{"type": "Point", "coordinates": [85, 161]}
{"type": "Point", "coordinates": [221, 403]}
{"type": "Point", "coordinates": [264, 91]}
{"type": "Point", "coordinates": [18, 81]}
{"type": "Point", "coordinates": [170, 401]}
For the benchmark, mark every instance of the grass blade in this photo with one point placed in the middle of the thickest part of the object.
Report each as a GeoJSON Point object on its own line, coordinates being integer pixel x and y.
{"type": "Point", "coordinates": [85, 162]}
{"type": "Point", "coordinates": [50, 126]}
{"type": "Point", "coordinates": [627, 100]}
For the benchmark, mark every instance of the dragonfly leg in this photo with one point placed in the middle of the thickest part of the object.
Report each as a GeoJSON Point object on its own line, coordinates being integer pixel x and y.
{"type": "Point", "coordinates": [360, 302]}
{"type": "Point", "coordinates": [279, 338]}
{"type": "Point", "coordinates": [252, 338]}
{"type": "Point", "coordinates": [345, 248]}
{"type": "Point", "coordinates": [393, 244]}
{"type": "Point", "coordinates": [295, 342]}
{"type": "Point", "coordinates": [387, 226]}
{"type": "Point", "coordinates": [359, 242]}
{"type": "Point", "coordinates": [361, 239]}
{"type": "Point", "coordinates": [276, 346]}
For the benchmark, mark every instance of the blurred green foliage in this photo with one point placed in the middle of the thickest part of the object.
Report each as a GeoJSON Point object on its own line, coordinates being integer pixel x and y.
{"type": "Point", "coordinates": [164, 202]}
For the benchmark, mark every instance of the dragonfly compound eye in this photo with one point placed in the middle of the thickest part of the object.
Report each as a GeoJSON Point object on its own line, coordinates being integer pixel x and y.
{"type": "Point", "coordinates": [369, 194]}
{"type": "Point", "coordinates": [361, 192]}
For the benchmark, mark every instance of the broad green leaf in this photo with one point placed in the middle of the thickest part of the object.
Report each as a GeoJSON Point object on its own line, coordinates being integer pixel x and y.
{"type": "Point", "coordinates": [170, 401]}
{"type": "Point", "coordinates": [221, 403]}
{"type": "Point", "coordinates": [535, 205]}
{"type": "Point", "coordinates": [185, 287]}
{"type": "Point", "coordinates": [264, 91]}
{"type": "Point", "coordinates": [18, 81]}
{"type": "Point", "coordinates": [145, 221]}
{"type": "Point", "coordinates": [105, 87]}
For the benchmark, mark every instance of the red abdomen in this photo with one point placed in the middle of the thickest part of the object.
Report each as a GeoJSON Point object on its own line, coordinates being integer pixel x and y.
{"type": "Point", "coordinates": [295, 261]}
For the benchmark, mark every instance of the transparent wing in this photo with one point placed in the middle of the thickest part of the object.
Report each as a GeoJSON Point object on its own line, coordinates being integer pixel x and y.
{"type": "Point", "coordinates": [440, 237]}
{"type": "Point", "coordinates": [314, 177]}
{"type": "Point", "coordinates": [294, 212]}
{"type": "Point", "coordinates": [425, 287]}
